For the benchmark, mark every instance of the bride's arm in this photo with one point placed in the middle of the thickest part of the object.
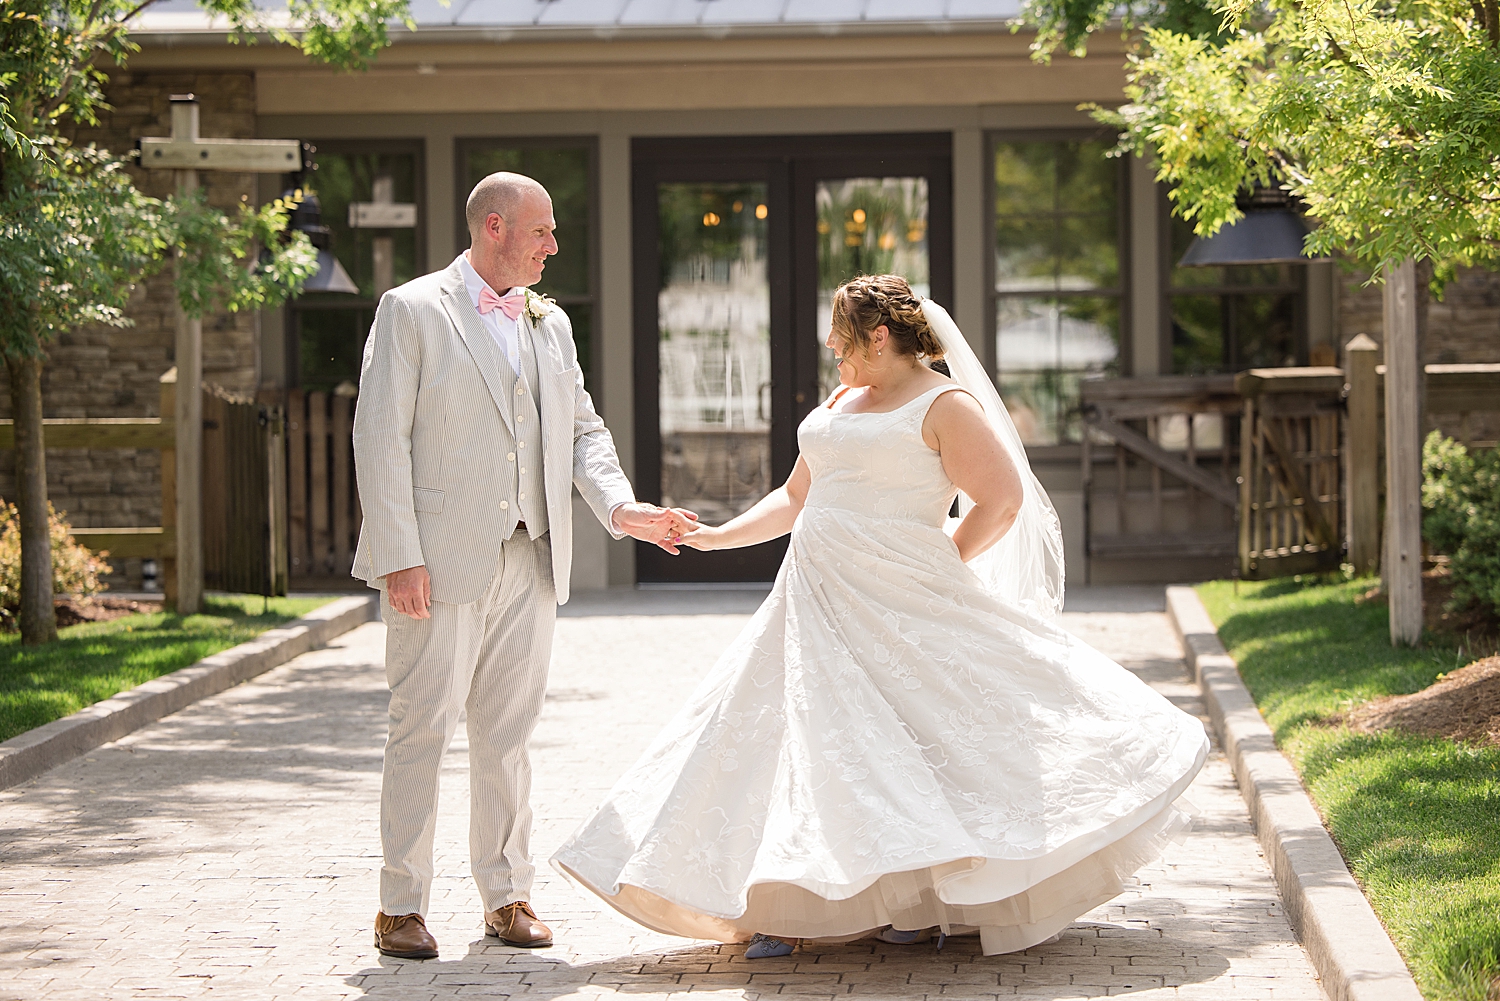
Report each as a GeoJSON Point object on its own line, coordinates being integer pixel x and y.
{"type": "Point", "coordinates": [770, 518]}
{"type": "Point", "coordinates": [978, 464]}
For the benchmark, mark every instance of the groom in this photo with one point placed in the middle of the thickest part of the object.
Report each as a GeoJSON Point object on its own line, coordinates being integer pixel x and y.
{"type": "Point", "coordinates": [473, 428]}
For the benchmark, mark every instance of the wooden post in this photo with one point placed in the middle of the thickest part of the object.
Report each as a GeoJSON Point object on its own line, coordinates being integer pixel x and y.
{"type": "Point", "coordinates": [1403, 456]}
{"type": "Point", "coordinates": [189, 404]}
{"type": "Point", "coordinates": [167, 572]}
{"type": "Point", "coordinates": [1362, 454]}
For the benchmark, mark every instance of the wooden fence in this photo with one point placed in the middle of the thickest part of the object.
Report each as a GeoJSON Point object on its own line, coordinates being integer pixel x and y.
{"type": "Point", "coordinates": [243, 490]}
{"type": "Point", "coordinates": [323, 512]}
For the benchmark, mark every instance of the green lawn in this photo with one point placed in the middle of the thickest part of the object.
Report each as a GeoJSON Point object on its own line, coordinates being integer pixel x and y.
{"type": "Point", "coordinates": [1418, 819]}
{"type": "Point", "coordinates": [96, 660]}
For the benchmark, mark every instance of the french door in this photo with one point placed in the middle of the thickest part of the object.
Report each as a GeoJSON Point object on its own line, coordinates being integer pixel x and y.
{"type": "Point", "coordinates": [739, 244]}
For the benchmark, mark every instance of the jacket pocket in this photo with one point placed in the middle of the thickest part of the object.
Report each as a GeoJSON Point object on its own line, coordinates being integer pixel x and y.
{"type": "Point", "coordinates": [426, 499]}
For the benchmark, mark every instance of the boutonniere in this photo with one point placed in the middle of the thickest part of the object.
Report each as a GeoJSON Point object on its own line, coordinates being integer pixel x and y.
{"type": "Point", "coordinates": [538, 305]}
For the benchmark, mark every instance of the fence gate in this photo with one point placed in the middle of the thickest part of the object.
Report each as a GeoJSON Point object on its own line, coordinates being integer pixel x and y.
{"type": "Point", "coordinates": [1291, 475]}
{"type": "Point", "coordinates": [323, 512]}
{"type": "Point", "coordinates": [244, 486]}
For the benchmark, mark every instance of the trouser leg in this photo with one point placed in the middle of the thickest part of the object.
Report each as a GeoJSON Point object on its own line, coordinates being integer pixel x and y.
{"type": "Point", "coordinates": [429, 665]}
{"type": "Point", "coordinates": [505, 700]}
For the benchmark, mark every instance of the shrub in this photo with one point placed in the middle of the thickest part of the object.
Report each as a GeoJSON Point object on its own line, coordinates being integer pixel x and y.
{"type": "Point", "coordinates": [1461, 516]}
{"type": "Point", "coordinates": [75, 569]}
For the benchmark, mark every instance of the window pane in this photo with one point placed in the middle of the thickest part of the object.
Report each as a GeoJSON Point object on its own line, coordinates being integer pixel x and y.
{"type": "Point", "coordinates": [867, 226]}
{"type": "Point", "coordinates": [1025, 178]}
{"type": "Point", "coordinates": [1087, 178]}
{"type": "Point", "coordinates": [565, 175]}
{"type": "Point", "coordinates": [1044, 348]}
{"type": "Point", "coordinates": [1088, 252]}
{"type": "Point", "coordinates": [343, 178]}
{"type": "Point", "coordinates": [1026, 254]}
{"type": "Point", "coordinates": [1231, 332]}
{"type": "Point", "coordinates": [714, 348]}
{"type": "Point", "coordinates": [330, 344]}
{"type": "Point", "coordinates": [1056, 217]}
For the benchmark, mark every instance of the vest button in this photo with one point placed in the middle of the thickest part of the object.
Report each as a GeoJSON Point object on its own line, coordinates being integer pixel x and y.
{"type": "Point", "coordinates": [510, 456]}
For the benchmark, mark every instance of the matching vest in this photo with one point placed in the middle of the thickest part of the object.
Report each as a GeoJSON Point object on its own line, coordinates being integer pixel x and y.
{"type": "Point", "coordinates": [525, 499]}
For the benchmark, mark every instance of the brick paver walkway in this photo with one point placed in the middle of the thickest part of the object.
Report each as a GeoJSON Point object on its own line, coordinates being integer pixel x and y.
{"type": "Point", "coordinates": [231, 851]}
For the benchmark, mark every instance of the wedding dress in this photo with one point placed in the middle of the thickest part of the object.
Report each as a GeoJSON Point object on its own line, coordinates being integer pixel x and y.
{"type": "Point", "coordinates": [890, 741]}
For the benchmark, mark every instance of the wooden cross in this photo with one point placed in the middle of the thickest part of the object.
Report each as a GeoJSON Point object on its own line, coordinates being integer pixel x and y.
{"type": "Point", "coordinates": [383, 212]}
{"type": "Point", "coordinates": [186, 152]}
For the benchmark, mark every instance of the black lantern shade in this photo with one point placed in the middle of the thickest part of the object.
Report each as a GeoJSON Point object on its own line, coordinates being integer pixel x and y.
{"type": "Point", "coordinates": [1270, 233]}
{"type": "Point", "coordinates": [307, 218]}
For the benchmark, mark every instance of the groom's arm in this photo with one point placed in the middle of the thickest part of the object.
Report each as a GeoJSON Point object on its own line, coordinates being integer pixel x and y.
{"type": "Point", "coordinates": [596, 464]}
{"type": "Point", "coordinates": [389, 377]}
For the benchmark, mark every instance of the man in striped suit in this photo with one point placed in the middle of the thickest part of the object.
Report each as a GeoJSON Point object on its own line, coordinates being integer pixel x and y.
{"type": "Point", "coordinates": [473, 428]}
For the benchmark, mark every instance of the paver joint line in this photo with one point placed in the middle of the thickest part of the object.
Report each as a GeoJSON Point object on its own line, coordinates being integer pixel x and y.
{"type": "Point", "coordinates": [1349, 947]}
{"type": "Point", "coordinates": [29, 754]}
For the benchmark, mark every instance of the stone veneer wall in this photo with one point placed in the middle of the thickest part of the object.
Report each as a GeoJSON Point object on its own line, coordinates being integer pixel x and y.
{"type": "Point", "coordinates": [114, 372]}
{"type": "Point", "coordinates": [1463, 327]}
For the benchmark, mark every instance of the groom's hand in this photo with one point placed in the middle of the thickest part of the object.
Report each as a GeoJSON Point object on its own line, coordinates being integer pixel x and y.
{"type": "Point", "coordinates": [660, 526]}
{"type": "Point", "coordinates": [410, 592]}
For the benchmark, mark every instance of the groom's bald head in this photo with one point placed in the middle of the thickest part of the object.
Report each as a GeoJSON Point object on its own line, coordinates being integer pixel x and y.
{"type": "Point", "coordinates": [502, 193]}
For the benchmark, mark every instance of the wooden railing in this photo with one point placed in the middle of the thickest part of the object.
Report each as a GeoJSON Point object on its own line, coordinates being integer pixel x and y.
{"type": "Point", "coordinates": [1293, 482]}
{"type": "Point", "coordinates": [1171, 491]}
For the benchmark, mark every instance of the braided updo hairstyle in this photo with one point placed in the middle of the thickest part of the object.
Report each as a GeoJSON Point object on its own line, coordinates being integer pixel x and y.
{"type": "Point", "coordinates": [864, 303]}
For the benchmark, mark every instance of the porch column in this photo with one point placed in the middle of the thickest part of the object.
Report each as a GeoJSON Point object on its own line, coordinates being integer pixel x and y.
{"type": "Point", "coordinates": [971, 242]}
{"type": "Point", "coordinates": [616, 370]}
{"type": "Point", "coordinates": [1145, 351]}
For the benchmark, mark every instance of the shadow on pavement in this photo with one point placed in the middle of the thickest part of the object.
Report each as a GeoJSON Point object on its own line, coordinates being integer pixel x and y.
{"type": "Point", "coordinates": [960, 970]}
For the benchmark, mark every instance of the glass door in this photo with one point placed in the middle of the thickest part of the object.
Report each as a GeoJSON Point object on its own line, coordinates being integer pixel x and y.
{"type": "Point", "coordinates": [739, 246]}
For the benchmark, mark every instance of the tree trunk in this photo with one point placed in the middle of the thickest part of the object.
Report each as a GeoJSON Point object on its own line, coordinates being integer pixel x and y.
{"type": "Point", "coordinates": [38, 618]}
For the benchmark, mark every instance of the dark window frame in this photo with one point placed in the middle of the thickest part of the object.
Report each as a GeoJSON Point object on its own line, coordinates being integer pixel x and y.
{"type": "Point", "coordinates": [417, 148]}
{"type": "Point", "coordinates": [1126, 291]}
{"type": "Point", "coordinates": [464, 145]}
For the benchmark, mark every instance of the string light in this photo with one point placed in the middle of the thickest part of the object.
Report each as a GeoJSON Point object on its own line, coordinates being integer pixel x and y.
{"type": "Point", "coordinates": [760, 211]}
{"type": "Point", "coordinates": [711, 219]}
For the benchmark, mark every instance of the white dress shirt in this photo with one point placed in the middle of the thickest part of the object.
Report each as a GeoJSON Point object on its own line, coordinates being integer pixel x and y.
{"type": "Point", "coordinates": [503, 329]}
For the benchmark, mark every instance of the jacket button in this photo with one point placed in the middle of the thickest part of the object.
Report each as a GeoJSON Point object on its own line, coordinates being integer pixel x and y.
{"type": "Point", "coordinates": [511, 456]}
{"type": "Point", "coordinates": [505, 505]}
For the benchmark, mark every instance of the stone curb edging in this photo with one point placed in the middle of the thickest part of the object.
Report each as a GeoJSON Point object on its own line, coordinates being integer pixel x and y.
{"type": "Point", "coordinates": [29, 754]}
{"type": "Point", "coordinates": [1348, 946]}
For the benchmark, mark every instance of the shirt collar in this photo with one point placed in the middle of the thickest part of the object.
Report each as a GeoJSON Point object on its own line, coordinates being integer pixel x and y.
{"type": "Point", "coordinates": [472, 282]}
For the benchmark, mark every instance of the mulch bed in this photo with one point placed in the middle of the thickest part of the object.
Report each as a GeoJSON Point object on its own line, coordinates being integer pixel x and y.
{"type": "Point", "coordinates": [72, 611]}
{"type": "Point", "coordinates": [1460, 705]}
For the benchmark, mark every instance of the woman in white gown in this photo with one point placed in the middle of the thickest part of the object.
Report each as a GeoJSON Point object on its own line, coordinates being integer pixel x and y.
{"type": "Point", "coordinates": [902, 737]}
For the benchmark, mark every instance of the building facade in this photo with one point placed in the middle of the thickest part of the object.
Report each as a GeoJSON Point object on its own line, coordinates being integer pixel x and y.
{"type": "Point", "coordinates": [717, 168]}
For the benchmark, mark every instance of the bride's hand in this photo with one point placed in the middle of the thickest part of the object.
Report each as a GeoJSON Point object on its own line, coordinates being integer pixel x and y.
{"type": "Point", "coordinates": [702, 538]}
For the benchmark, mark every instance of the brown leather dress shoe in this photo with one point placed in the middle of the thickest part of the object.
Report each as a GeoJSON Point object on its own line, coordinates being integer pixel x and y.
{"type": "Point", "coordinates": [516, 924]}
{"type": "Point", "coordinates": [404, 936]}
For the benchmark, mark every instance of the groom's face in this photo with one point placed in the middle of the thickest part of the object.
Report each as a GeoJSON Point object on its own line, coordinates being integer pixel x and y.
{"type": "Point", "coordinates": [528, 241]}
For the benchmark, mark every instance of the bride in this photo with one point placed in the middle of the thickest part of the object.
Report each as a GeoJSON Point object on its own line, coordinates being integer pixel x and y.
{"type": "Point", "coordinates": [902, 738]}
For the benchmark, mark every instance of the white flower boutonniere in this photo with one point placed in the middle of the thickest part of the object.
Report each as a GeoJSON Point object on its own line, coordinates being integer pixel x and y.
{"type": "Point", "coordinates": [538, 305]}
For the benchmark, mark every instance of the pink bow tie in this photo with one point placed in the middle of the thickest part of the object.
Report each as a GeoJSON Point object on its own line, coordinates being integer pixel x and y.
{"type": "Point", "coordinates": [510, 304]}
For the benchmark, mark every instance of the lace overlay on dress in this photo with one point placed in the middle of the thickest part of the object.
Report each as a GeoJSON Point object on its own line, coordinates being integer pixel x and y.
{"type": "Point", "coordinates": [888, 743]}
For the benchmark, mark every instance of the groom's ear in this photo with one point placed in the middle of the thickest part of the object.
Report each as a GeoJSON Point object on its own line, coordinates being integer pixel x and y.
{"type": "Point", "coordinates": [494, 227]}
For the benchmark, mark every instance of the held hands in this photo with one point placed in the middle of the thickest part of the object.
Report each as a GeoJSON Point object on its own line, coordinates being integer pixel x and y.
{"type": "Point", "coordinates": [661, 526]}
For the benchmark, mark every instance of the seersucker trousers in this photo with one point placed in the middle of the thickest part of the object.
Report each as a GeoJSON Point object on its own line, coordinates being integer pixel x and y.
{"type": "Point", "coordinates": [488, 658]}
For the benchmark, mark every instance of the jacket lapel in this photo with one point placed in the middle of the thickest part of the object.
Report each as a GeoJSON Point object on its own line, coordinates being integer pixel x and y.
{"type": "Point", "coordinates": [482, 347]}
